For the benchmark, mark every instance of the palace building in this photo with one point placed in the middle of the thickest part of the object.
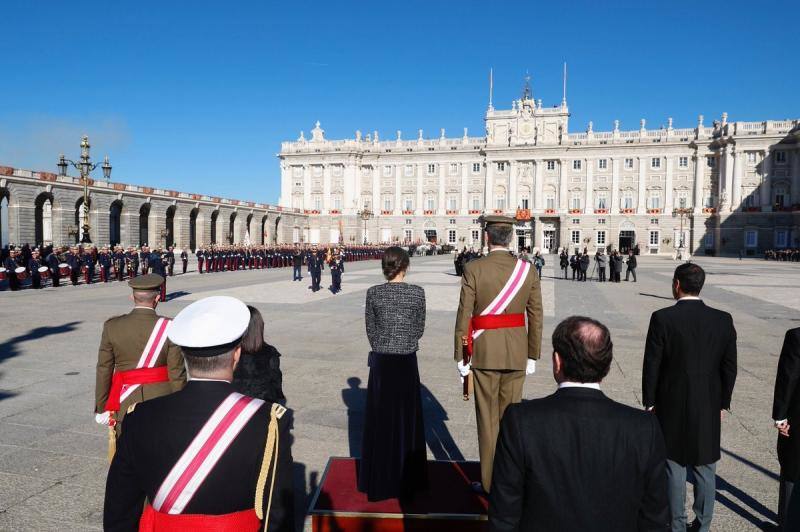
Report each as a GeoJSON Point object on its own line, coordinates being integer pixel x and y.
{"type": "Point", "coordinates": [724, 187]}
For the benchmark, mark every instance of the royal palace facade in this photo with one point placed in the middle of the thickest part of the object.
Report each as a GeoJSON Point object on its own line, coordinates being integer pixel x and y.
{"type": "Point", "coordinates": [727, 187]}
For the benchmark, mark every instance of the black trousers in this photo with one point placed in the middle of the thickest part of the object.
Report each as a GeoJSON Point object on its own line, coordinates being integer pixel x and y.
{"type": "Point", "coordinates": [185, 264]}
{"type": "Point", "coordinates": [601, 272]}
{"type": "Point", "coordinates": [316, 279]}
{"type": "Point", "coordinates": [630, 271]}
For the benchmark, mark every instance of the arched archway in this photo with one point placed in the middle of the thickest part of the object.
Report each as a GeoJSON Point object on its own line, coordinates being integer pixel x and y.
{"type": "Point", "coordinates": [193, 229]}
{"type": "Point", "coordinates": [79, 217]}
{"type": "Point", "coordinates": [144, 223]}
{"type": "Point", "coordinates": [276, 233]}
{"type": "Point", "coordinates": [115, 223]}
{"type": "Point", "coordinates": [214, 216]}
{"type": "Point", "coordinates": [250, 234]}
{"type": "Point", "coordinates": [264, 232]}
{"type": "Point", "coordinates": [43, 219]}
{"type": "Point", "coordinates": [5, 230]}
{"type": "Point", "coordinates": [170, 227]}
{"type": "Point", "coordinates": [231, 227]}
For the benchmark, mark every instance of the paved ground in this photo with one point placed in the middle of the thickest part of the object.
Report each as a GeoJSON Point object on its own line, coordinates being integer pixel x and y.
{"type": "Point", "coordinates": [52, 465]}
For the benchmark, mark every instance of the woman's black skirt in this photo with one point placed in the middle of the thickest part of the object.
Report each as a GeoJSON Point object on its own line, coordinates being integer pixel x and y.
{"type": "Point", "coordinates": [393, 461]}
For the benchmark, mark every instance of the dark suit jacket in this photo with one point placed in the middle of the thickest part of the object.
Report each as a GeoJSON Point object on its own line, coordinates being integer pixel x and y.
{"type": "Point", "coordinates": [689, 373]}
{"type": "Point", "coordinates": [786, 405]}
{"type": "Point", "coordinates": [157, 433]}
{"type": "Point", "coordinates": [576, 460]}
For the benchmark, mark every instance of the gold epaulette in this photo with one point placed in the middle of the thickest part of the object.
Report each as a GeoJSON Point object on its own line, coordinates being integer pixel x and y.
{"type": "Point", "coordinates": [131, 408]}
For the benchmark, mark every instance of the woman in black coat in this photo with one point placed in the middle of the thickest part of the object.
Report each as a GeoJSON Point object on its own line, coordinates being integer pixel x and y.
{"type": "Point", "coordinates": [258, 373]}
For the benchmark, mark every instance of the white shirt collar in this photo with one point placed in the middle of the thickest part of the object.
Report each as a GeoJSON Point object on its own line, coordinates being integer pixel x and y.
{"type": "Point", "coordinates": [208, 380]}
{"type": "Point", "coordinates": [499, 249]}
{"type": "Point", "coordinates": [689, 298]}
{"type": "Point", "coordinates": [146, 308]}
{"type": "Point", "coordinates": [592, 385]}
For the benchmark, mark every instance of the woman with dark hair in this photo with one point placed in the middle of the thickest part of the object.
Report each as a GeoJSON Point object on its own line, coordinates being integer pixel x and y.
{"type": "Point", "coordinates": [258, 373]}
{"type": "Point", "coordinates": [393, 461]}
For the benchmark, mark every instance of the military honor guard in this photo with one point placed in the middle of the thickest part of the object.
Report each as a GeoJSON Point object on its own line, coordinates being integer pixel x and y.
{"type": "Point", "coordinates": [53, 262]}
{"type": "Point", "coordinates": [135, 362]}
{"type": "Point", "coordinates": [336, 266]}
{"type": "Point", "coordinates": [497, 293]}
{"type": "Point", "coordinates": [201, 255]}
{"type": "Point", "coordinates": [316, 263]}
{"type": "Point", "coordinates": [206, 457]}
{"type": "Point", "coordinates": [184, 260]}
{"type": "Point", "coordinates": [155, 263]}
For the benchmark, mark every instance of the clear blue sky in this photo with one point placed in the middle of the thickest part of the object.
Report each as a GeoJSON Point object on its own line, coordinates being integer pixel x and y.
{"type": "Point", "coordinates": [197, 95]}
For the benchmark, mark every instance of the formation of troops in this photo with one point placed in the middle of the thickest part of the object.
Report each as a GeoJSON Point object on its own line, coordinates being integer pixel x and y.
{"type": "Point", "coordinates": [788, 255]}
{"type": "Point", "coordinates": [601, 266]}
{"type": "Point", "coordinates": [25, 267]}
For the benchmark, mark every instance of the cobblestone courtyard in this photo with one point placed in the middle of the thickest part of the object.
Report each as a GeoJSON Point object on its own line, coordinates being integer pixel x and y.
{"type": "Point", "coordinates": [52, 454]}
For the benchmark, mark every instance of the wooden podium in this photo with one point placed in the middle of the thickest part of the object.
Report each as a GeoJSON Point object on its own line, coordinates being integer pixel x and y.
{"type": "Point", "coordinates": [447, 504]}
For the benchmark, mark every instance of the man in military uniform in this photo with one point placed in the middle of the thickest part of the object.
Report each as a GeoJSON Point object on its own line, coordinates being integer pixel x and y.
{"type": "Point", "coordinates": [136, 361]}
{"type": "Point", "coordinates": [155, 263]}
{"type": "Point", "coordinates": [497, 292]}
{"type": "Point", "coordinates": [315, 262]}
{"type": "Point", "coordinates": [206, 457]}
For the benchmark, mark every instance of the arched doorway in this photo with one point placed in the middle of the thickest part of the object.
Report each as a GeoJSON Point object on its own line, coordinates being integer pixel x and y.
{"type": "Point", "coordinates": [170, 227]}
{"type": "Point", "coordinates": [43, 219]}
{"type": "Point", "coordinates": [4, 227]}
{"type": "Point", "coordinates": [264, 232]}
{"type": "Point", "coordinates": [193, 229]}
{"type": "Point", "coordinates": [144, 224]}
{"type": "Point", "coordinates": [115, 223]}
{"type": "Point", "coordinates": [627, 236]}
{"type": "Point", "coordinates": [231, 232]}
{"type": "Point", "coordinates": [250, 228]}
{"type": "Point", "coordinates": [275, 234]}
{"type": "Point", "coordinates": [214, 216]}
{"type": "Point", "coordinates": [79, 217]}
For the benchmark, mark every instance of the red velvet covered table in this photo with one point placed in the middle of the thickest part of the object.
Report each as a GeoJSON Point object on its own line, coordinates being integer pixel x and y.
{"type": "Point", "coordinates": [447, 504]}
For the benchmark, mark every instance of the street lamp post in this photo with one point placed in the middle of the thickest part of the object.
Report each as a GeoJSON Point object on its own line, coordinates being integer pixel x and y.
{"type": "Point", "coordinates": [683, 213]}
{"type": "Point", "coordinates": [85, 167]}
{"type": "Point", "coordinates": [365, 216]}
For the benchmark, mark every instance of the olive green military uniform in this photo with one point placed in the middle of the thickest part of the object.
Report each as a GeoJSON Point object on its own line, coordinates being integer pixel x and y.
{"type": "Point", "coordinates": [500, 356]}
{"type": "Point", "coordinates": [121, 345]}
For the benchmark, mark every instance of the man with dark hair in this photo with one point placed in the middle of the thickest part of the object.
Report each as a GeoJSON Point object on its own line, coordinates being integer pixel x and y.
{"type": "Point", "coordinates": [207, 457]}
{"type": "Point", "coordinates": [687, 381]}
{"type": "Point", "coordinates": [576, 460]}
{"type": "Point", "coordinates": [498, 292]}
{"type": "Point", "coordinates": [786, 415]}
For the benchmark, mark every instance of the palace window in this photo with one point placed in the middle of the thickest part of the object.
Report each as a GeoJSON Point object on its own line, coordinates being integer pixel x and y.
{"type": "Point", "coordinates": [653, 221]}
{"type": "Point", "coordinates": [781, 238]}
{"type": "Point", "coordinates": [500, 202]}
{"type": "Point", "coordinates": [452, 203]}
{"type": "Point", "coordinates": [408, 170]}
{"type": "Point", "coordinates": [387, 203]}
{"type": "Point", "coordinates": [550, 202]}
{"type": "Point", "coordinates": [452, 221]}
{"type": "Point", "coordinates": [387, 170]}
{"type": "Point", "coordinates": [430, 203]}
{"type": "Point", "coordinates": [780, 157]}
{"type": "Point", "coordinates": [711, 161]}
{"type": "Point", "coordinates": [408, 204]}
{"type": "Point", "coordinates": [408, 221]}
{"type": "Point", "coordinates": [476, 235]}
{"type": "Point", "coordinates": [476, 168]}
{"type": "Point", "coordinates": [576, 221]}
{"type": "Point", "coordinates": [451, 236]}
{"type": "Point", "coordinates": [501, 167]}
{"type": "Point", "coordinates": [576, 164]}
{"type": "Point", "coordinates": [627, 200]}
{"type": "Point", "coordinates": [575, 201]}
{"type": "Point", "coordinates": [431, 169]}
{"type": "Point", "coordinates": [750, 198]}
{"type": "Point", "coordinates": [751, 157]}
{"type": "Point", "coordinates": [628, 164]}
{"type": "Point", "coordinates": [709, 201]}
{"type": "Point", "coordinates": [453, 168]}
{"type": "Point", "coordinates": [750, 238]}
{"type": "Point", "coordinates": [408, 234]}
{"type": "Point", "coordinates": [298, 183]}
{"type": "Point", "coordinates": [476, 202]}
{"type": "Point", "coordinates": [524, 203]}
{"type": "Point", "coordinates": [780, 197]}
{"type": "Point", "coordinates": [602, 164]}
{"type": "Point", "coordinates": [601, 221]}
{"type": "Point", "coordinates": [654, 239]}
{"type": "Point", "coordinates": [575, 236]}
{"type": "Point", "coordinates": [551, 165]}
{"type": "Point", "coordinates": [655, 162]}
{"type": "Point", "coordinates": [601, 238]}
{"type": "Point", "coordinates": [297, 171]}
{"type": "Point", "coordinates": [601, 200]}
{"type": "Point", "coordinates": [318, 203]}
{"type": "Point", "coordinates": [683, 162]}
{"type": "Point", "coordinates": [654, 201]}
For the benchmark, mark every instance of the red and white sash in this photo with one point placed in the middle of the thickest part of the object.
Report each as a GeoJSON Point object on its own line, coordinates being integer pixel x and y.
{"type": "Point", "coordinates": [150, 353]}
{"type": "Point", "coordinates": [197, 461]}
{"type": "Point", "coordinates": [507, 294]}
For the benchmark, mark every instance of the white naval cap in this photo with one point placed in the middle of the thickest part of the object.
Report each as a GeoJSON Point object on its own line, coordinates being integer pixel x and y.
{"type": "Point", "coordinates": [212, 322]}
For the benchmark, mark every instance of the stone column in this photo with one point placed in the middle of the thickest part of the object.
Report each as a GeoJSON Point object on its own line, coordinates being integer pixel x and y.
{"type": "Point", "coordinates": [562, 185]}
{"type": "Point", "coordinates": [589, 206]}
{"type": "Point", "coordinates": [668, 200]}
{"type": "Point", "coordinates": [698, 182]}
{"type": "Point", "coordinates": [513, 168]}
{"type": "Point", "coordinates": [464, 207]}
{"type": "Point", "coordinates": [726, 182]}
{"type": "Point", "coordinates": [307, 188]}
{"type": "Point", "coordinates": [538, 186]}
{"type": "Point", "coordinates": [488, 196]}
{"type": "Point", "coordinates": [641, 196]}
{"type": "Point", "coordinates": [286, 185]}
{"type": "Point", "coordinates": [376, 191]}
{"type": "Point", "coordinates": [736, 186]}
{"type": "Point", "coordinates": [615, 164]}
{"type": "Point", "coordinates": [398, 182]}
{"type": "Point", "coordinates": [349, 175]}
{"type": "Point", "coordinates": [418, 199]}
{"type": "Point", "coordinates": [766, 185]}
{"type": "Point", "coordinates": [443, 171]}
{"type": "Point", "coordinates": [326, 188]}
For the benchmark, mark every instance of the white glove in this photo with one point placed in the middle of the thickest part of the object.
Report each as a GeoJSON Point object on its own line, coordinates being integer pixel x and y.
{"type": "Point", "coordinates": [103, 419]}
{"type": "Point", "coordinates": [531, 368]}
{"type": "Point", "coordinates": [463, 369]}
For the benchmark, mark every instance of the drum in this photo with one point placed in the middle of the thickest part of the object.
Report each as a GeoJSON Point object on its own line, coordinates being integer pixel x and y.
{"type": "Point", "coordinates": [44, 272]}
{"type": "Point", "coordinates": [22, 273]}
{"type": "Point", "coordinates": [3, 274]}
{"type": "Point", "coordinates": [64, 269]}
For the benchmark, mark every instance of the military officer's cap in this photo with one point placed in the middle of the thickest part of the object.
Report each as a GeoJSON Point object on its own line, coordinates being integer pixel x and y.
{"type": "Point", "coordinates": [211, 326]}
{"type": "Point", "coordinates": [493, 219]}
{"type": "Point", "coordinates": [151, 281]}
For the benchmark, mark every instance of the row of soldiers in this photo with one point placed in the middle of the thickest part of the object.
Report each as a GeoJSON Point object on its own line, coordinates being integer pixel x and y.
{"type": "Point", "coordinates": [580, 263]}
{"type": "Point", "coordinates": [463, 257]}
{"type": "Point", "coordinates": [788, 255]}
